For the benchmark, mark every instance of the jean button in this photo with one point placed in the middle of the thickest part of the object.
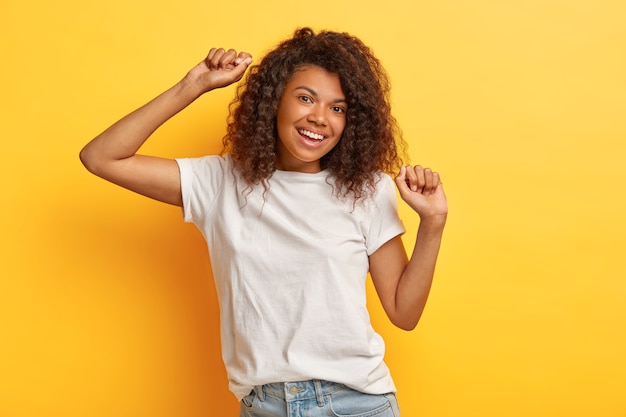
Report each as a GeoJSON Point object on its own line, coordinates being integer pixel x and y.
{"type": "Point", "coordinates": [295, 390]}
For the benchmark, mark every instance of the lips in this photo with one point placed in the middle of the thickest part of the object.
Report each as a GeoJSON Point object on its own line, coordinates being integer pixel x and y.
{"type": "Point", "coordinates": [307, 134]}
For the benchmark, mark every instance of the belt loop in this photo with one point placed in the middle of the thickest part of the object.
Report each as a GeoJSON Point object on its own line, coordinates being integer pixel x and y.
{"type": "Point", "coordinates": [319, 393]}
{"type": "Point", "coordinates": [260, 392]}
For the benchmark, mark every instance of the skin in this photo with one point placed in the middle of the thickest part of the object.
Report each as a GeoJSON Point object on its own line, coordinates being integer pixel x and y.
{"type": "Point", "coordinates": [313, 101]}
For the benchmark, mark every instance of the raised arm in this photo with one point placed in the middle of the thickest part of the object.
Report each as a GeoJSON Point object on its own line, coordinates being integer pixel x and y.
{"type": "Point", "coordinates": [403, 284]}
{"type": "Point", "coordinates": [113, 156]}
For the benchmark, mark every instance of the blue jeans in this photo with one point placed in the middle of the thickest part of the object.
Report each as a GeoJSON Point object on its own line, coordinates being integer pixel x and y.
{"type": "Point", "coordinates": [315, 399]}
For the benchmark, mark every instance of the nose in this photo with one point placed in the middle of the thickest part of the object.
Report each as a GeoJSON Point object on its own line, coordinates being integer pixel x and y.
{"type": "Point", "coordinates": [317, 116]}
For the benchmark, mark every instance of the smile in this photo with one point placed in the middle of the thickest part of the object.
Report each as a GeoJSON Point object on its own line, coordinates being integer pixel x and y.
{"type": "Point", "coordinates": [311, 135]}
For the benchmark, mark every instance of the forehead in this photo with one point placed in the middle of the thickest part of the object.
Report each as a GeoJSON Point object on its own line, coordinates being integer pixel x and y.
{"type": "Point", "coordinates": [313, 76]}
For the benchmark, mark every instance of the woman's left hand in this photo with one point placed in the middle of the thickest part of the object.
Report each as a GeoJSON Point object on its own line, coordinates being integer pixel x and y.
{"type": "Point", "coordinates": [422, 190]}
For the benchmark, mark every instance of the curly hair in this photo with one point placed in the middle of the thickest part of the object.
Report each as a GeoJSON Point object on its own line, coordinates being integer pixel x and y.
{"type": "Point", "coordinates": [371, 140]}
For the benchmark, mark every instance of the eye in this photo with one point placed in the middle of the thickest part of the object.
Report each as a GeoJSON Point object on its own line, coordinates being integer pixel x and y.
{"type": "Point", "coordinates": [338, 109]}
{"type": "Point", "coordinates": [305, 99]}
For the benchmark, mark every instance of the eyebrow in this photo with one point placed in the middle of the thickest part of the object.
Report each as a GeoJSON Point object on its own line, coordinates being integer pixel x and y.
{"type": "Point", "coordinates": [314, 93]}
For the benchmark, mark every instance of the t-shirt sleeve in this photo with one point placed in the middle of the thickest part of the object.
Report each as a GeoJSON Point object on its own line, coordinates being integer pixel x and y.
{"type": "Point", "coordinates": [201, 180]}
{"type": "Point", "coordinates": [385, 224]}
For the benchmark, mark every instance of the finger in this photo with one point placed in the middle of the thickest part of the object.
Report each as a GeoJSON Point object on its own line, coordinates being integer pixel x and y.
{"type": "Point", "coordinates": [415, 178]}
{"type": "Point", "coordinates": [211, 53]}
{"type": "Point", "coordinates": [227, 60]}
{"type": "Point", "coordinates": [428, 181]}
{"type": "Point", "coordinates": [214, 57]}
{"type": "Point", "coordinates": [239, 69]}
{"type": "Point", "coordinates": [436, 180]}
{"type": "Point", "coordinates": [411, 178]}
{"type": "Point", "coordinates": [402, 182]}
{"type": "Point", "coordinates": [401, 179]}
{"type": "Point", "coordinates": [209, 57]}
{"type": "Point", "coordinates": [242, 57]}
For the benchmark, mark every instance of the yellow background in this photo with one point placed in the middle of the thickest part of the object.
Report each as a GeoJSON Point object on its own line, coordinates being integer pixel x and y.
{"type": "Point", "coordinates": [106, 303]}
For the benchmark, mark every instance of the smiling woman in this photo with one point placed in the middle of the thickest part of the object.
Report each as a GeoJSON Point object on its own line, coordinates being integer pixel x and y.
{"type": "Point", "coordinates": [310, 119]}
{"type": "Point", "coordinates": [107, 302]}
{"type": "Point", "coordinates": [370, 137]}
{"type": "Point", "coordinates": [296, 213]}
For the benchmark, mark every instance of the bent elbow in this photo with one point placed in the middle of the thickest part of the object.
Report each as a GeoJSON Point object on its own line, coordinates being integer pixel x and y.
{"type": "Point", "coordinates": [82, 155]}
{"type": "Point", "coordinates": [406, 323]}
{"type": "Point", "coordinates": [88, 160]}
{"type": "Point", "coordinates": [408, 326]}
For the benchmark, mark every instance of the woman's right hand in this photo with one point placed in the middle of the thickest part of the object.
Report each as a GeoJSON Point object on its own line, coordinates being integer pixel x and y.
{"type": "Point", "coordinates": [219, 69]}
{"type": "Point", "coordinates": [112, 154]}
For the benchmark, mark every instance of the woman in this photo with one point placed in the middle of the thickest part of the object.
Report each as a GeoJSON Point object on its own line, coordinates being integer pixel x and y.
{"type": "Point", "coordinates": [296, 212]}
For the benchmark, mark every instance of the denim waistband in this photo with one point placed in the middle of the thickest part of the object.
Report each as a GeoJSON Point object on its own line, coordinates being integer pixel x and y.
{"type": "Point", "coordinates": [301, 390]}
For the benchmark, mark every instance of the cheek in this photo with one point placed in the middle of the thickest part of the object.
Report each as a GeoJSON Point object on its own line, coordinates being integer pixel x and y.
{"type": "Point", "coordinates": [287, 115]}
{"type": "Point", "coordinates": [282, 122]}
{"type": "Point", "coordinates": [339, 127]}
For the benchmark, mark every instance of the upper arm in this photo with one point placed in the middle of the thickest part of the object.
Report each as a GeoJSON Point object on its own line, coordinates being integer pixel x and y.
{"type": "Point", "coordinates": [157, 178]}
{"type": "Point", "coordinates": [386, 266]}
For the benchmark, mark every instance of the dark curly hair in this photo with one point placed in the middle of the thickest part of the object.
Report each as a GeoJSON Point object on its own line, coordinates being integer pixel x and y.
{"type": "Point", "coordinates": [371, 141]}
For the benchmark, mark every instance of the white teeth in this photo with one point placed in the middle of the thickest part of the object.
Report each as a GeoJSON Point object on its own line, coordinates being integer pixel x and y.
{"type": "Point", "coordinates": [311, 135]}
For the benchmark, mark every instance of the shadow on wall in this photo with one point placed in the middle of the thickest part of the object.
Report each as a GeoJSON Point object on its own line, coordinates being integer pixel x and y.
{"type": "Point", "coordinates": [131, 308]}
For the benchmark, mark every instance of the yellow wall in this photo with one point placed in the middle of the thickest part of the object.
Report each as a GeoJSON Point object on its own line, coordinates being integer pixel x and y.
{"type": "Point", "coordinates": [105, 304]}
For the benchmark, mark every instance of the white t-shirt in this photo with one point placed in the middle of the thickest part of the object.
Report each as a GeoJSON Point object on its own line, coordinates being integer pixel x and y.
{"type": "Point", "coordinates": [290, 266]}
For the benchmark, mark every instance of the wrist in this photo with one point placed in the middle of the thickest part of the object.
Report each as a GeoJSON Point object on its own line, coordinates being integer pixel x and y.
{"type": "Point", "coordinates": [433, 223]}
{"type": "Point", "coordinates": [191, 88]}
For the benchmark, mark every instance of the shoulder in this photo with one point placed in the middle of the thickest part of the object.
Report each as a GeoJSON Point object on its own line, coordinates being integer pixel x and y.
{"type": "Point", "coordinates": [383, 186]}
{"type": "Point", "coordinates": [205, 164]}
{"type": "Point", "coordinates": [377, 192]}
{"type": "Point", "coordinates": [211, 172]}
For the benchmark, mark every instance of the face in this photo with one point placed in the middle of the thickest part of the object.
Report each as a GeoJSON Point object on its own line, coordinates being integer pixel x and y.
{"type": "Point", "coordinates": [310, 120]}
